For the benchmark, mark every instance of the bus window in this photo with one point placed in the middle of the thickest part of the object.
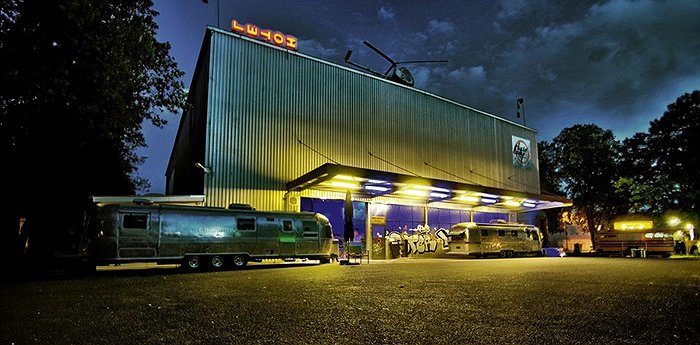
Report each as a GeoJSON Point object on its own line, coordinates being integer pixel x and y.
{"type": "Point", "coordinates": [484, 232]}
{"type": "Point", "coordinates": [514, 233]}
{"type": "Point", "coordinates": [135, 221]}
{"type": "Point", "coordinates": [535, 236]}
{"type": "Point", "coordinates": [501, 233]}
{"type": "Point", "coordinates": [328, 232]}
{"type": "Point", "coordinates": [245, 224]}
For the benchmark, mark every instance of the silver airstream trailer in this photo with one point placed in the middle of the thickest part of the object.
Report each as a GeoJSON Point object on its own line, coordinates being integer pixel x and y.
{"type": "Point", "coordinates": [197, 236]}
{"type": "Point", "coordinates": [496, 239]}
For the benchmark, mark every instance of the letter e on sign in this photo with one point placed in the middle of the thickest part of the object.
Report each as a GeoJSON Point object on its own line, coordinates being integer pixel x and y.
{"type": "Point", "coordinates": [251, 30]}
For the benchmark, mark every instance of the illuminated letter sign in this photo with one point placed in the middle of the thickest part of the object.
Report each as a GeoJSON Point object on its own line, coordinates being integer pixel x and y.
{"type": "Point", "coordinates": [277, 38]}
{"type": "Point", "coordinates": [522, 155]}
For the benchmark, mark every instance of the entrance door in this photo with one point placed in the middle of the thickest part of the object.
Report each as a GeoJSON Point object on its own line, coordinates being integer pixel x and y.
{"type": "Point", "coordinates": [288, 238]}
{"type": "Point", "coordinates": [137, 238]}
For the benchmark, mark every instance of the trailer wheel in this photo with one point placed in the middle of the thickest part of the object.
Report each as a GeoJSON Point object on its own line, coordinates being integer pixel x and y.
{"type": "Point", "coordinates": [239, 261]}
{"type": "Point", "coordinates": [193, 262]}
{"type": "Point", "coordinates": [217, 261]}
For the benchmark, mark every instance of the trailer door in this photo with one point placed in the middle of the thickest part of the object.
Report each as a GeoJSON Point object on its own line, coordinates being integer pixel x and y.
{"type": "Point", "coordinates": [137, 237]}
{"type": "Point", "coordinates": [288, 238]}
{"type": "Point", "coordinates": [309, 238]}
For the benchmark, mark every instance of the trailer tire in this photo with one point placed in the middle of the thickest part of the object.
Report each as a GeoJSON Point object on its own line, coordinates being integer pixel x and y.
{"type": "Point", "coordinates": [217, 261]}
{"type": "Point", "coordinates": [193, 262]}
{"type": "Point", "coordinates": [239, 261]}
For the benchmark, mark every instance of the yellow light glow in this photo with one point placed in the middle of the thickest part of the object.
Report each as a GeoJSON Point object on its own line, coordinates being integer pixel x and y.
{"type": "Point", "coordinates": [468, 198]}
{"type": "Point", "coordinates": [344, 177]}
{"type": "Point", "coordinates": [511, 203]}
{"type": "Point", "coordinates": [631, 225]}
{"type": "Point", "coordinates": [673, 221]}
{"type": "Point", "coordinates": [414, 192]}
{"type": "Point", "coordinates": [344, 184]}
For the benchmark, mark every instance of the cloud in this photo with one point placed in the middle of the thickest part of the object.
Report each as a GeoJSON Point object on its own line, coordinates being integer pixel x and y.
{"type": "Point", "coordinates": [385, 13]}
{"type": "Point", "coordinates": [471, 75]}
{"type": "Point", "coordinates": [315, 48]}
{"type": "Point", "coordinates": [511, 8]}
{"type": "Point", "coordinates": [441, 27]}
{"type": "Point", "coordinates": [615, 59]}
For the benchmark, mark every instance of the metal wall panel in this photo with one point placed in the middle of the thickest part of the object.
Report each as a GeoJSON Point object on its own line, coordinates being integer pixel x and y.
{"type": "Point", "coordinates": [274, 115]}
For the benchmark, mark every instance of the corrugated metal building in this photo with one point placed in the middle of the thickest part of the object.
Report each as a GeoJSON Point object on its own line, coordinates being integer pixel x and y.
{"type": "Point", "coordinates": [272, 127]}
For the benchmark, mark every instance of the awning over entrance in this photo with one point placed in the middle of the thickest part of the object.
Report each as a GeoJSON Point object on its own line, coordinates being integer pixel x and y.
{"type": "Point", "coordinates": [374, 183]}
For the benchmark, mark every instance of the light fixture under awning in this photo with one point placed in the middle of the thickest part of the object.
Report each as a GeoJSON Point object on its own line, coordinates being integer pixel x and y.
{"type": "Point", "coordinates": [374, 183]}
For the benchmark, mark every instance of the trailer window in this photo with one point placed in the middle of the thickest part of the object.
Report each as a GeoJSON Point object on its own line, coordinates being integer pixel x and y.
{"type": "Point", "coordinates": [135, 221]}
{"type": "Point", "coordinates": [310, 229]}
{"type": "Point", "coordinates": [245, 223]}
{"type": "Point", "coordinates": [287, 226]}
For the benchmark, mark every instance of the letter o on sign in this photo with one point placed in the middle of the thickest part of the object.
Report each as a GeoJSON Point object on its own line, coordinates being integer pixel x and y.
{"type": "Point", "coordinates": [278, 38]}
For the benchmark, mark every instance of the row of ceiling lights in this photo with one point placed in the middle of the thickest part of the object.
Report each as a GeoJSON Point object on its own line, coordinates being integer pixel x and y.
{"type": "Point", "coordinates": [379, 187]}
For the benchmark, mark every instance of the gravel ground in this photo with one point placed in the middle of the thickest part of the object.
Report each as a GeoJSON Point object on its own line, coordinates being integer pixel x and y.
{"type": "Point", "coordinates": [404, 301]}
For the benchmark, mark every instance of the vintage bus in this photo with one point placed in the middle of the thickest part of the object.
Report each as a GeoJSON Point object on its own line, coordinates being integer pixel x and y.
{"type": "Point", "coordinates": [494, 239]}
{"type": "Point", "coordinates": [197, 236]}
{"type": "Point", "coordinates": [628, 239]}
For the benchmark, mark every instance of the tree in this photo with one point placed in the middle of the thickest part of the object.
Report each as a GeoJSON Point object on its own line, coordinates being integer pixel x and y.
{"type": "Point", "coordinates": [586, 161]}
{"type": "Point", "coordinates": [673, 141]}
{"type": "Point", "coordinates": [659, 168]}
{"type": "Point", "coordinates": [550, 183]}
{"type": "Point", "coordinates": [79, 78]}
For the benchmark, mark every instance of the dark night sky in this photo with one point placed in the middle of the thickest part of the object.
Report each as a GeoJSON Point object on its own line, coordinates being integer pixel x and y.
{"type": "Point", "coordinates": [617, 63]}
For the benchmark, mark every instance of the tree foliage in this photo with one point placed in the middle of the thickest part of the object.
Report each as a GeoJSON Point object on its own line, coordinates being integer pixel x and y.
{"type": "Point", "coordinates": [660, 168]}
{"type": "Point", "coordinates": [78, 79]}
{"type": "Point", "coordinates": [585, 161]}
{"type": "Point", "coordinates": [550, 181]}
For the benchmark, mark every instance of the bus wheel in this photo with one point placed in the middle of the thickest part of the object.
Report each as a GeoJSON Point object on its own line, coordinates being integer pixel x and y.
{"type": "Point", "coordinates": [193, 262]}
{"type": "Point", "coordinates": [239, 260]}
{"type": "Point", "coordinates": [217, 261]}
